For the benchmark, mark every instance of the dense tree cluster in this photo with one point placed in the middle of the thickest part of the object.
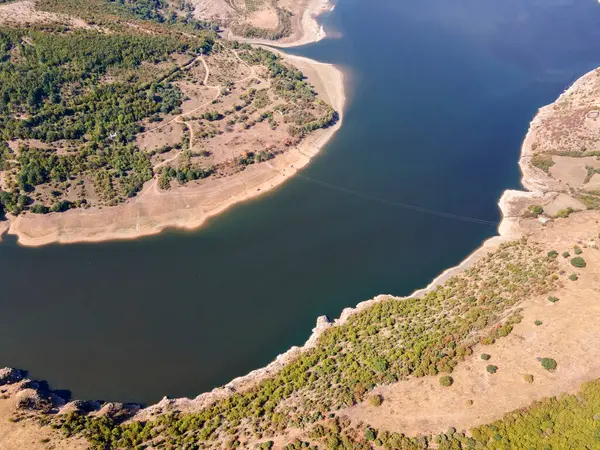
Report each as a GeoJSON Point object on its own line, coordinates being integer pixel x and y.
{"type": "Point", "coordinates": [115, 14]}
{"type": "Point", "coordinates": [53, 88]}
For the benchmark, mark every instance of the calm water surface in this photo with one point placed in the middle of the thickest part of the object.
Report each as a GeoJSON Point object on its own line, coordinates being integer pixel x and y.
{"type": "Point", "coordinates": [440, 96]}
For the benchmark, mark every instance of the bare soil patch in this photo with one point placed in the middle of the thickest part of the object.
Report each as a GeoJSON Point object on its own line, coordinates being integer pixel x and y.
{"type": "Point", "coordinates": [266, 18]}
{"type": "Point", "coordinates": [27, 434]}
{"type": "Point", "coordinates": [572, 171]}
{"type": "Point", "coordinates": [24, 13]}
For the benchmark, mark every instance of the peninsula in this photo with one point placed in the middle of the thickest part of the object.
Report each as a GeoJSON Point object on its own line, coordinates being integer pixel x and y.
{"type": "Point", "coordinates": [150, 120]}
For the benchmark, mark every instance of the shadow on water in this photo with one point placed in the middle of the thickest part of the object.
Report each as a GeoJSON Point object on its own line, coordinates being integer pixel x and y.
{"type": "Point", "coordinates": [441, 95]}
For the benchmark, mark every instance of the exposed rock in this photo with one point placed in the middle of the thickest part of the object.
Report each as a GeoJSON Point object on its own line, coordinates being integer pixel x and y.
{"type": "Point", "coordinates": [80, 406]}
{"type": "Point", "coordinates": [30, 399]}
{"type": "Point", "coordinates": [10, 376]}
{"type": "Point", "coordinates": [118, 411]}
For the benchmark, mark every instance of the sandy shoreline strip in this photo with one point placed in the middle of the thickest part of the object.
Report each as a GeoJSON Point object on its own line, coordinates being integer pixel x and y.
{"type": "Point", "coordinates": [153, 210]}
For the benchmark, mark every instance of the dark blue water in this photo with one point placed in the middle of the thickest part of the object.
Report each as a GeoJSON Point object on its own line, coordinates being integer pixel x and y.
{"type": "Point", "coordinates": [440, 95]}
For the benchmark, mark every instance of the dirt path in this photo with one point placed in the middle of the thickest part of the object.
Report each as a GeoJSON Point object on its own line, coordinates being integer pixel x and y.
{"type": "Point", "coordinates": [180, 118]}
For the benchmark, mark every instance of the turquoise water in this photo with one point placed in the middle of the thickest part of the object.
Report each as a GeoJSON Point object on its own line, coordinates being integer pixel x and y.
{"type": "Point", "coordinates": [440, 95]}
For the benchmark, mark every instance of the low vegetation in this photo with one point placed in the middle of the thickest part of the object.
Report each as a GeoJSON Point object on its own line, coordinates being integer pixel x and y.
{"type": "Point", "coordinates": [578, 262]}
{"type": "Point", "coordinates": [491, 368]}
{"type": "Point", "coordinates": [548, 363]}
{"type": "Point", "coordinates": [446, 381]}
{"type": "Point", "coordinates": [542, 161]}
{"type": "Point", "coordinates": [388, 342]}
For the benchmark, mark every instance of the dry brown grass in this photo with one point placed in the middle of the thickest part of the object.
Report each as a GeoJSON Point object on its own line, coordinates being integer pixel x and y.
{"type": "Point", "coordinates": [568, 334]}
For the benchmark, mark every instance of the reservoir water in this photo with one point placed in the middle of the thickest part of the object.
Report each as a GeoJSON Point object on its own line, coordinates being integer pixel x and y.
{"type": "Point", "coordinates": [440, 95]}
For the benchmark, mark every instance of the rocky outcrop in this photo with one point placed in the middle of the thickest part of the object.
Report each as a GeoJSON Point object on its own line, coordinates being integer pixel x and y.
{"type": "Point", "coordinates": [10, 376]}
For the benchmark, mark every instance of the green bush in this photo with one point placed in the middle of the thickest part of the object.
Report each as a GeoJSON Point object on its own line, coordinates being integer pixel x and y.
{"type": "Point", "coordinates": [566, 254]}
{"type": "Point", "coordinates": [549, 363]}
{"type": "Point", "coordinates": [446, 381]}
{"type": "Point", "coordinates": [573, 277]}
{"type": "Point", "coordinates": [578, 262]}
{"type": "Point", "coordinates": [375, 400]}
{"type": "Point", "coordinates": [552, 299]}
{"type": "Point", "coordinates": [538, 322]}
{"type": "Point", "coordinates": [491, 368]}
{"type": "Point", "coordinates": [38, 208]}
{"type": "Point", "coordinates": [543, 162]}
{"type": "Point", "coordinates": [535, 210]}
{"type": "Point", "coordinates": [552, 254]}
{"type": "Point", "coordinates": [485, 356]}
{"type": "Point", "coordinates": [578, 250]}
{"type": "Point", "coordinates": [564, 213]}
{"type": "Point", "coordinates": [370, 434]}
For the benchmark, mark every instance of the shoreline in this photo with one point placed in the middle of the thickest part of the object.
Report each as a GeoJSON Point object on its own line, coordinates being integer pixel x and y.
{"type": "Point", "coordinates": [152, 211]}
{"type": "Point", "coordinates": [535, 185]}
{"type": "Point", "coordinates": [309, 31]}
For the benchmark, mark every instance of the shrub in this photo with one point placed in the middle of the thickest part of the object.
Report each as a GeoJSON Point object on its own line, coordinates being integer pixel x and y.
{"type": "Point", "coordinates": [370, 434]}
{"type": "Point", "coordinates": [39, 209]}
{"type": "Point", "coordinates": [491, 368]}
{"type": "Point", "coordinates": [573, 277]}
{"type": "Point", "coordinates": [535, 210]}
{"type": "Point", "coordinates": [375, 400]}
{"type": "Point", "coordinates": [485, 356]}
{"type": "Point", "coordinates": [543, 162]}
{"type": "Point", "coordinates": [528, 377]}
{"type": "Point", "coordinates": [578, 250]}
{"type": "Point", "coordinates": [446, 381]}
{"type": "Point", "coordinates": [564, 213]}
{"type": "Point", "coordinates": [552, 254]}
{"type": "Point", "coordinates": [538, 322]}
{"type": "Point", "coordinates": [488, 340]}
{"type": "Point", "coordinates": [552, 299]}
{"type": "Point", "coordinates": [578, 262]}
{"type": "Point", "coordinates": [549, 363]}
{"type": "Point", "coordinates": [566, 254]}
